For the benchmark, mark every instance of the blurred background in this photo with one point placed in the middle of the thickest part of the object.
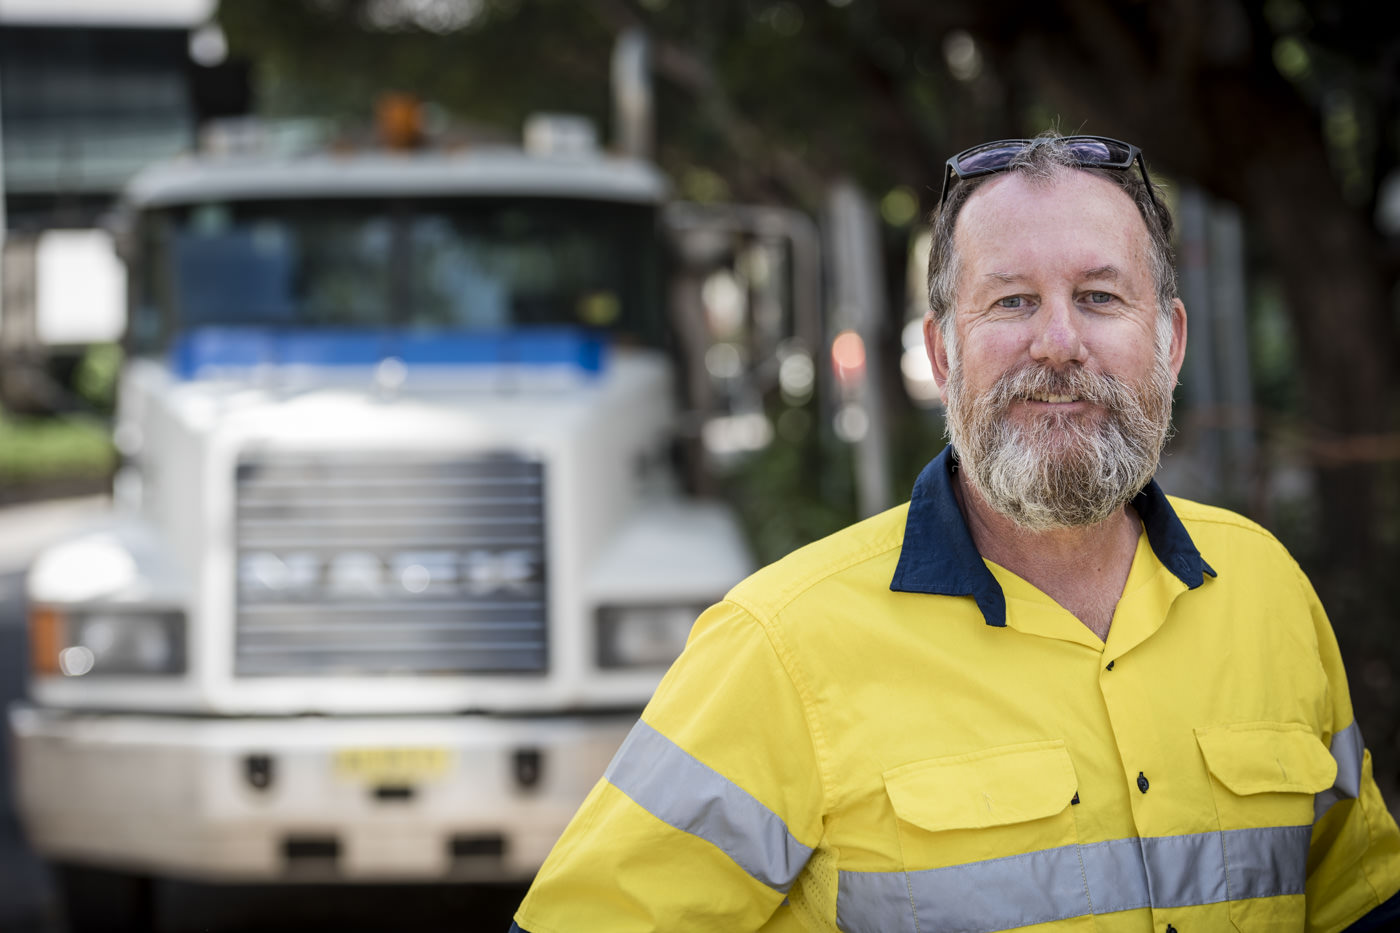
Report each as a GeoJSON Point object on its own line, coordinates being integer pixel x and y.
{"type": "Point", "coordinates": [800, 146]}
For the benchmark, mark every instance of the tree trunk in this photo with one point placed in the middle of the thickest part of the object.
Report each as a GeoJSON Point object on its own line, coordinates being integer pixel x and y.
{"type": "Point", "coordinates": [1346, 354]}
{"type": "Point", "coordinates": [1326, 254]}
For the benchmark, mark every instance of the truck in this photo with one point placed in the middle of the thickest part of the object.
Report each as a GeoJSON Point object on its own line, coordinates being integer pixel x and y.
{"type": "Point", "coordinates": [410, 517]}
{"type": "Point", "coordinates": [62, 291]}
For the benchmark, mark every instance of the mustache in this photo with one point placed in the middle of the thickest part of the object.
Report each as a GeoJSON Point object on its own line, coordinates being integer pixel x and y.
{"type": "Point", "coordinates": [1077, 382]}
{"type": "Point", "coordinates": [1060, 472]}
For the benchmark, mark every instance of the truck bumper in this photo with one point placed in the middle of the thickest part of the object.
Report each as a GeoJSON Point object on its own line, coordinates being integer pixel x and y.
{"type": "Point", "coordinates": [451, 798]}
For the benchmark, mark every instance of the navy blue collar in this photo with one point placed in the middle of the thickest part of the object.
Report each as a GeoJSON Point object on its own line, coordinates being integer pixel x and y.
{"type": "Point", "coordinates": [939, 557]}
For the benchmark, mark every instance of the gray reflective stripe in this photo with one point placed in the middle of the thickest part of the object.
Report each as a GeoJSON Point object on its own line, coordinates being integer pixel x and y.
{"type": "Point", "coordinates": [1120, 877]}
{"type": "Point", "coordinates": [1072, 881]}
{"type": "Point", "coordinates": [1348, 748]}
{"type": "Point", "coordinates": [1172, 879]}
{"type": "Point", "coordinates": [874, 902]}
{"type": "Point", "coordinates": [1267, 862]}
{"type": "Point", "coordinates": [679, 790]}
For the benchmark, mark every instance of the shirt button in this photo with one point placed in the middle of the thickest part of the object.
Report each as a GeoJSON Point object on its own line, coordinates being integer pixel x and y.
{"type": "Point", "coordinates": [1171, 929]}
{"type": "Point", "coordinates": [1142, 782]}
{"type": "Point", "coordinates": [1110, 665]}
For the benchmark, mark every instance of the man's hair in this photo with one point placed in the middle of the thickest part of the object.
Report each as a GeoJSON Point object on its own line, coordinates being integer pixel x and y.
{"type": "Point", "coordinates": [1042, 160]}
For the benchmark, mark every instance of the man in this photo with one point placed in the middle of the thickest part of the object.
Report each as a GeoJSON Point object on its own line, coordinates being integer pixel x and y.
{"type": "Point", "coordinates": [1040, 694]}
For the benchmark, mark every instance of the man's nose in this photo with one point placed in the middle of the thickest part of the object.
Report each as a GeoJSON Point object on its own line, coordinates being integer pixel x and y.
{"type": "Point", "coordinates": [1058, 338]}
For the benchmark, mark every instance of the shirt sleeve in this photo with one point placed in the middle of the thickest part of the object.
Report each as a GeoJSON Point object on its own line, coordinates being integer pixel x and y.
{"type": "Point", "coordinates": [709, 810]}
{"type": "Point", "coordinates": [1354, 861]}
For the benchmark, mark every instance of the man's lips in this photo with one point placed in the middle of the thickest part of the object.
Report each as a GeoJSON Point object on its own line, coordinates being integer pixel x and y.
{"type": "Point", "coordinates": [1046, 403]}
{"type": "Point", "coordinates": [1051, 398]}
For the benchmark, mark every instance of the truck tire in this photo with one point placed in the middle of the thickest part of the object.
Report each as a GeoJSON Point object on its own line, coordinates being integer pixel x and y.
{"type": "Point", "coordinates": [100, 900]}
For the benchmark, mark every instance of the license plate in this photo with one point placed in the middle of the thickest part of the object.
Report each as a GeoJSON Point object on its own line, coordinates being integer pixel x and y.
{"type": "Point", "coordinates": [390, 765]}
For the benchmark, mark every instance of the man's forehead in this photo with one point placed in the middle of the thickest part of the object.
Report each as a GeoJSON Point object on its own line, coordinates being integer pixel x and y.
{"type": "Point", "coordinates": [1067, 189]}
{"type": "Point", "coordinates": [1089, 223]}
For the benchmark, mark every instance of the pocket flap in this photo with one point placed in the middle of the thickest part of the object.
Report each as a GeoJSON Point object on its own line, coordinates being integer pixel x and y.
{"type": "Point", "coordinates": [1267, 757]}
{"type": "Point", "coordinates": [993, 787]}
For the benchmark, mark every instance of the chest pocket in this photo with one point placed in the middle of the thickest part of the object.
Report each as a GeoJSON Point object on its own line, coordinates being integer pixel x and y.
{"type": "Point", "coordinates": [983, 805]}
{"type": "Point", "coordinates": [1263, 778]}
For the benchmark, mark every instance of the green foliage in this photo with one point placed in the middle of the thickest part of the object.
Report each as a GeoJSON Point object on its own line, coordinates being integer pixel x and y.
{"type": "Point", "coordinates": [802, 486]}
{"type": "Point", "coordinates": [95, 379]}
{"type": "Point", "coordinates": [916, 437]}
{"type": "Point", "coordinates": [1272, 351]}
{"type": "Point", "coordinates": [504, 60]}
{"type": "Point", "coordinates": [46, 450]}
{"type": "Point", "coordinates": [780, 509]}
{"type": "Point", "coordinates": [771, 96]}
{"type": "Point", "coordinates": [797, 489]}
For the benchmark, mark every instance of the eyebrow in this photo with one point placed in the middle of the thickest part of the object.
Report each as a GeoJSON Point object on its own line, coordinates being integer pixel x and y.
{"type": "Point", "coordinates": [1108, 273]}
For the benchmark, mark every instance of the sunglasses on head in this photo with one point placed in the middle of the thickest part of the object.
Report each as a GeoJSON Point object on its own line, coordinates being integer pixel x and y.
{"type": "Point", "coordinates": [1087, 151]}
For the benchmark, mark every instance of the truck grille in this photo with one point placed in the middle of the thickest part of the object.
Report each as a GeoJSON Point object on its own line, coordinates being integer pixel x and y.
{"type": "Point", "coordinates": [363, 565]}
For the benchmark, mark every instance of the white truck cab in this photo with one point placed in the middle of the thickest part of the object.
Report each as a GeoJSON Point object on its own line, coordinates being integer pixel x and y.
{"type": "Point", "coordinates": [399, 548]}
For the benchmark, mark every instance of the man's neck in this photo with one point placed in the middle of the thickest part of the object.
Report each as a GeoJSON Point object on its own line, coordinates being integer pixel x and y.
{"type": "Point", "coordinates": [1084, 569]}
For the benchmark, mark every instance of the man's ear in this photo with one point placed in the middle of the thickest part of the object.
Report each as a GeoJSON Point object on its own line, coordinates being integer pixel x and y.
{"type": "Point", "coordinates": [1178, 353]}
{"type": "Point", "coordinates": [937, 350]}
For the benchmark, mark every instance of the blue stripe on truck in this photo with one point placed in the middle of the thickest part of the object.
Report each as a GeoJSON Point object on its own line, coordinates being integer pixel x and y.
{"type": "Point", "coordinates": [214, 348]}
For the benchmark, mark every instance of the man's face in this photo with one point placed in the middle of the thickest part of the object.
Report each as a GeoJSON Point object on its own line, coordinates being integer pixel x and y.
{"type": "Point", "coordinates": [1058, 383]}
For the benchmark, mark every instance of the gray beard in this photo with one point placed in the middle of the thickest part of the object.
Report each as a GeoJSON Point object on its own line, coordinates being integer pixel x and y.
{"type": "Point", "coordinates": [1062, 470]}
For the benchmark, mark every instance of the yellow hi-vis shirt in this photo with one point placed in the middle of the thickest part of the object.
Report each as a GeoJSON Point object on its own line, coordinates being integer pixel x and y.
{"type": "Point", "coordinates": [884, 733]}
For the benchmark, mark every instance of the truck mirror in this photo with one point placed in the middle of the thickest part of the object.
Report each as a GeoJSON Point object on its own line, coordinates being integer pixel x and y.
{"type": "Point", "coordinates": [746, 317]}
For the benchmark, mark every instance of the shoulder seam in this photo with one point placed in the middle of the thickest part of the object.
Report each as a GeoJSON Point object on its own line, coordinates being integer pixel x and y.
{"type": "Point", "coordinates": [799, 683]}
{"type": "Point", "coordinates": [1212, 515]}
{"type": "Point", "coordinates": [1309, 598]}
{"type": "Point", "coordinates": [797, 589]}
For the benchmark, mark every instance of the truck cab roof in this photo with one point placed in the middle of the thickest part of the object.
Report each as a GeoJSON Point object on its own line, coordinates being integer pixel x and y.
{"type": "Point", "coordinates": [483, 171]}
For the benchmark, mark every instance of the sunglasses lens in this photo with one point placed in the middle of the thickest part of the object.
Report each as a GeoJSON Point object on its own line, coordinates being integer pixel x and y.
{"type": "Point", "coordinates": [1099, 152]}
{"type": "Point", "coordinates": [989, 159]}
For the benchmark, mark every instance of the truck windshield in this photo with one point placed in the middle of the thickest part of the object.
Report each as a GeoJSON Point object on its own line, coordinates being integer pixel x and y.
{"type": "Point", "coordinates": [460, 264]}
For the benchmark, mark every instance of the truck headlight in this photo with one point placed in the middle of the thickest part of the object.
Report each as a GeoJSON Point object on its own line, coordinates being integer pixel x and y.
{"type": "Point", "coordinates": [95, 642]}
{"type": "Point", "coordinates": [643, 636]}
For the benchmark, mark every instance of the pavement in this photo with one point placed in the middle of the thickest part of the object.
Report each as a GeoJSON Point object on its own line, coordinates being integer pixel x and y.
{"type": "Point", "coordinates": [26, 893]}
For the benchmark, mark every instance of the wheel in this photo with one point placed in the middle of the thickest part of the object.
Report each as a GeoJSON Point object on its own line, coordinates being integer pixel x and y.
{"type": "Point", "coordinates": [100, 900]}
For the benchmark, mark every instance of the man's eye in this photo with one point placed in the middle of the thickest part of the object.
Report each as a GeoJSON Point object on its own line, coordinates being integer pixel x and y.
{"type": "Point", "coordinates": [1100, 298]}
{"type": "Point", "coordinates": [1012, 301]}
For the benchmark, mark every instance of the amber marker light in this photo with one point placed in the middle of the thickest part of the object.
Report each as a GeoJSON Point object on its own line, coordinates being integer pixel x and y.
{"type": "Point", "coordinates": [399, 120]}
{"type": "Point", "coordinates": [46, 639]}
